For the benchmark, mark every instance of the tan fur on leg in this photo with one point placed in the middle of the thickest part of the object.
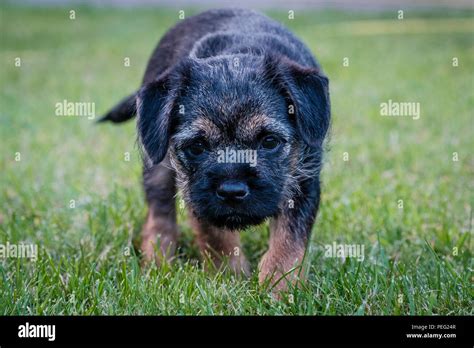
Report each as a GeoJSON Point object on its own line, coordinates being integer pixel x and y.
{"type": "Point", "coordinates": [284, 254]}
{"type": "Point", "coordinates": [216, 244]}
{"type": "Point", "coordinates": [159, 228]}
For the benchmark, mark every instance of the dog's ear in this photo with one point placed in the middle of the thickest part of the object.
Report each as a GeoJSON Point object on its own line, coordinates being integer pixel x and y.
{"type": "Point", "coordinates": [156, 104]}
{"type": "Point", "coordinates": [307, 94]}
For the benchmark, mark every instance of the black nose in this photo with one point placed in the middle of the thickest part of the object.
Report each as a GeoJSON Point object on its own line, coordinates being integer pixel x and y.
{"type": "Point", "coordinates": [232, 191]}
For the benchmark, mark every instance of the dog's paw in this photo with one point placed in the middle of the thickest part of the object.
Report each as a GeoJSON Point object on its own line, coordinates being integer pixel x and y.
{"type": "Point", "coordinates": [152, 252]}
{"type": "Point", "coordinates": [280, 275]}
{"type": "Point", "coordinates": [147, 248]}
{"type": "Point", "coordinates": [239, 265]}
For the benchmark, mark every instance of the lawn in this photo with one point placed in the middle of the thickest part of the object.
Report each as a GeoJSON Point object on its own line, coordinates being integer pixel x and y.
{"type": "Point", "coordinates": [401, 187]}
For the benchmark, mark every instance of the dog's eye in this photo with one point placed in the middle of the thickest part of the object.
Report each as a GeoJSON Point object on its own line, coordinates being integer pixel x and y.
{"type": "Point", "coordinates": [197, 148]}
{"type": "Point", "coordinates": [270, 142]}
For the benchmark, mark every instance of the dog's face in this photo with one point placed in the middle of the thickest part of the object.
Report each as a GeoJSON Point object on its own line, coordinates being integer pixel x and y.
{"type": "Point", "coordinates": [231, 127]}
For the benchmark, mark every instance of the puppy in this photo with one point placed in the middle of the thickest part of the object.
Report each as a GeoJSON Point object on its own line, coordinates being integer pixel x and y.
{"type": "Point", "coordinates": [232, 113]}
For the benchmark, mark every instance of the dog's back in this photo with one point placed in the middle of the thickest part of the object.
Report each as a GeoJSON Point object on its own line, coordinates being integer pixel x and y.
{"type": "Point", "coordinates": [225, 31]}
{"type": "Point", "coordinates": [216, 33]}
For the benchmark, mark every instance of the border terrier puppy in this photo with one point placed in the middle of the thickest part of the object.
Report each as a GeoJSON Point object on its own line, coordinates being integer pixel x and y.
{"type": "Point", "coordinates": [232, 112]}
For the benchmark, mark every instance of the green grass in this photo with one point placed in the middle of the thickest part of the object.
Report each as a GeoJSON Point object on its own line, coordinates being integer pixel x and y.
{"type": "Point", "coordinates": [84, 266]}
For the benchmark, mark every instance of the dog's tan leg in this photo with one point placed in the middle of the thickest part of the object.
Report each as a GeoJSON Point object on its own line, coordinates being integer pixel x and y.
{"type": "Point", "coordinates": [160, 229]}
{"type": "Point", "coordinates": [160, 225]}
{"type": "Point", "coordinates": [283, 260]}
{"type": "Point", "coordinates": [218, 244]}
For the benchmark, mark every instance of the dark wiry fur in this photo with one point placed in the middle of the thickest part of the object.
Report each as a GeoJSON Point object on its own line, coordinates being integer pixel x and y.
{"type": "Point", "coordinates": [228, 78]}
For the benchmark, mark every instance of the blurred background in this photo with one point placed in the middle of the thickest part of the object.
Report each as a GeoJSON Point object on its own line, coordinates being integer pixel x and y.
{"type": "Point", "coordinates": [400, 186]}
{"type": "Point", "coordinates": [262, 4]}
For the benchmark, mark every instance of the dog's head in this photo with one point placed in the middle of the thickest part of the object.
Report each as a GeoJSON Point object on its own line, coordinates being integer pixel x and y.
{"type": "Point", "coordinates": [238, 130]}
